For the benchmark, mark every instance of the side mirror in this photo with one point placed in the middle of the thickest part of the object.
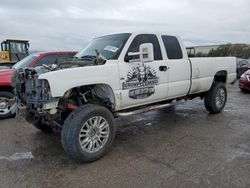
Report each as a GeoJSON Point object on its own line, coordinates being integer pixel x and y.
{"type": "Point", "coordinates": [146, 54]}
{"type": "Point", "coordinates": [128, 58]}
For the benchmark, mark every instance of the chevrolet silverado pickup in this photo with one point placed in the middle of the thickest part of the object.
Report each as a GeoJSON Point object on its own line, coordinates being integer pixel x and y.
{"type": "Point", "coordinates": [117, 75]}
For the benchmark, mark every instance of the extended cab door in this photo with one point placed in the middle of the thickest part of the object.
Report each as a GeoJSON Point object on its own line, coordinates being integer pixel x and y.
{"type": "Point", "coordinates": [142, 83]}
{"type": "Point", "coordinates": [179, 69]}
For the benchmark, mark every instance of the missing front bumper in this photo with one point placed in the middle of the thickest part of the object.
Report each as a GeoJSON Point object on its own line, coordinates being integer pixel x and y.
{"type": "Point", "coordinates": [21, 111]}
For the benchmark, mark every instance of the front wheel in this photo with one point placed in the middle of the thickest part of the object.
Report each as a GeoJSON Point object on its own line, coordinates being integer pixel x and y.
{"type": "Point", "coordinates": [88, 133]}
{"type": "Point", "coordinates": [7, 104]}
{"type": "Point", "coordinates": [216, 98]}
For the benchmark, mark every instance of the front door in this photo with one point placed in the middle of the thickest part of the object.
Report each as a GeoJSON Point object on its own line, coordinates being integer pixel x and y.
{"type": "Point", "coordinates": [143, 83]}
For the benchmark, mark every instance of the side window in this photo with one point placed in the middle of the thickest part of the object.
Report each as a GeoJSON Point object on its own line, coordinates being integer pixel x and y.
{"type": "Point", "coordinates": [64, 57]}
{"type": "Point", "coordinates": [48, 60]}
{"type": "Point", "coordinates": [61, 58]}
{"type": "Point", "coordinates": [146, 38]}
{"type": "Point", "coordinates": [68, 56]}
{"type": "Point", "coordinates": [172, 47]}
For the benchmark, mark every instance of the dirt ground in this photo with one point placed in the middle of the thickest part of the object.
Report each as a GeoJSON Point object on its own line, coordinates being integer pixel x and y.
{"type": "Point", "coordinates": [184, 148]}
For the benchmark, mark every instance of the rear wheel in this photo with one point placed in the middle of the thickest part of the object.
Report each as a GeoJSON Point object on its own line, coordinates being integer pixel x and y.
{"type": "Point", "coordinates": [216, 98]}
{"type": "Point", "coordinates": [88, 133]}
{"type": "Point", "coordinates": [7, 104]}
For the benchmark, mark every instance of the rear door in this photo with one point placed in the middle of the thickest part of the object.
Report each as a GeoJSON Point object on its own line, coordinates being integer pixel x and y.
{"type": "Point", "coordinates": [178, 66]}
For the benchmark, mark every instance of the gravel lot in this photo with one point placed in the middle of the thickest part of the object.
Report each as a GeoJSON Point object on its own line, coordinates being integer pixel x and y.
{"type": "Point", "coordinates": [184, 148]}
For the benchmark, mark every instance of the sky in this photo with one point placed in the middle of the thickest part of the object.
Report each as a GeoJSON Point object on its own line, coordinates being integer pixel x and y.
{"type": "Point", "coordinates": [70, 25]}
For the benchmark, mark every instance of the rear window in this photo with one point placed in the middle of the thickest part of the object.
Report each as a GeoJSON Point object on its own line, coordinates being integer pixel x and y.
{"type": "Point", "coordinates": [172, 47]}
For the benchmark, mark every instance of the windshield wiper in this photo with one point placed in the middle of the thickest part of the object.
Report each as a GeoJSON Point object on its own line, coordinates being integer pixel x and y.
{"type": "Point", "coordinates": [88, 57]}
{"type": "Point", "coordinates": [100, 59]}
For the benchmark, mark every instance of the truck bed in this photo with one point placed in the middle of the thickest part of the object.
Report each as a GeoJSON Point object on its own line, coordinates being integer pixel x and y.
{"type": "Point", "coordinates": [204, 69]}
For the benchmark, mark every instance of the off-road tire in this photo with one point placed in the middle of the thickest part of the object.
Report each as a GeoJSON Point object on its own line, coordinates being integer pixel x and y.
{"type": "Point", "coordinates": [72, 127]}
{"type": "Point", "coordinates": [8, 95]}
{"type": "Point", "coordinates": [210, 98]}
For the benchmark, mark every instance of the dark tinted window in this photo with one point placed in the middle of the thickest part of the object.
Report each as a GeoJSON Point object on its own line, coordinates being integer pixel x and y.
{"type": "Point", "coordinates": [146, 38]}
{"type": "Point", "coordinates": [68, 56]}
{"type": "Point", "coordinates": [48, 59]}
{"type": "Point", "coordinates": [243, 64]}
{"type": "Point", "coordinates": [172, 47]}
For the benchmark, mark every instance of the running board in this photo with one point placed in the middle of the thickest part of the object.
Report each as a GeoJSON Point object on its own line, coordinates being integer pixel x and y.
{"type": "Point", "coordinates": [148, 108]}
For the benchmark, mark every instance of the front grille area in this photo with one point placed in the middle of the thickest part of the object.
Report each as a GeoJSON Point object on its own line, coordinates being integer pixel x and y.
{"type": "Point", "coordinates": [18, 83]}
{"type": "Point", "coordinates": [29, 89]}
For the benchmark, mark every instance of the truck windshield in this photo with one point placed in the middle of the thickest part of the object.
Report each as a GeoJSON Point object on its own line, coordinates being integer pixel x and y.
{"type": "Point", "coordinates": [26, 61]}
{"type": "Point", "coordinates": [108, 46]}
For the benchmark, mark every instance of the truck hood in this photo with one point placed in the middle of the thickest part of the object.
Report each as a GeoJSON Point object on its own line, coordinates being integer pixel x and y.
{"type": "Point", "coordinates": [58, 67]}
{"type": "Point", "coordinates": [65, 76]}
{"type": "Point", "coordinates": [6, 71]}
{"type": "Point", "coordinates": [62, 80]}
{"type": "Point", "coordinates": [5, 77]}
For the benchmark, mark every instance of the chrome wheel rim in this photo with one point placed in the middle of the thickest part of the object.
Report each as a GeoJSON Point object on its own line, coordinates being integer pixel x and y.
{"type": "Point", "coordinates": [5, 105]}
{"type": "Point", "coordinates": [220, 98]}
{"type": "Point", "coordinates": [94, 134]}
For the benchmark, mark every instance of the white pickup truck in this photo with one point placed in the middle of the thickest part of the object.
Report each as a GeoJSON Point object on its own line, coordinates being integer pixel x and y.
{"type": "Point", "coordinates": [117, 75]}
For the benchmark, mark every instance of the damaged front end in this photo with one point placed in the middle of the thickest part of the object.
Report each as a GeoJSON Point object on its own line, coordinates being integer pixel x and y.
{"type": "Point", "coordinates": [34, 99]}
{"type": "Point", "coordinates": [37, 105]}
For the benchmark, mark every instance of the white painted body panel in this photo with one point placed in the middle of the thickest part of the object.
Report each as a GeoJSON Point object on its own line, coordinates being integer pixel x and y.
{"type": "Point", "coordinates": [161, 89]}
{"type": "Point", "coordinates": [204, 69]}
{"type": "Point", "coordinates": [181, 78]}
{"type": "Point", "coordinates": [63, 80]}
{"type": "Point", "coordinates": [179, 74]}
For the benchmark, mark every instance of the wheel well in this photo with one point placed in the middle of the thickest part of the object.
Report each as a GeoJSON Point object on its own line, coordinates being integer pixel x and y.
{"type": "Point", "coordinates": [6, 88]}
{"type": "Point", "coordinates": [97, 93]}
{"type": "Point", "coordinates": [105, 91]}
{"type": "Point", "coordinates": [221, 76]}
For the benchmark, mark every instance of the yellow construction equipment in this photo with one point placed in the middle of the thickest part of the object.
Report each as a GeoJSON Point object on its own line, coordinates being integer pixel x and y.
{"type": "Point", "coordinates": [13, 51]}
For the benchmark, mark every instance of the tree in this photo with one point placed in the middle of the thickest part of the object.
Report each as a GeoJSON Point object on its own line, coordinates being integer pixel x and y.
{"type": "Point", "coordinates": [238, 50]}
{"type": "Point", "coordinates": [200, 54]}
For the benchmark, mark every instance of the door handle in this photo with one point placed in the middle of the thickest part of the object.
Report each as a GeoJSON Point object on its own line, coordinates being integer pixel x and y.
{"type": "Point", "coordinates": [163, 68]}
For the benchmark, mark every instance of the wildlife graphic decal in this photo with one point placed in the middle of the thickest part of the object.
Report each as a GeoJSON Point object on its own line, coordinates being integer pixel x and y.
{"type": "Point", "coordinates": [141, 80]}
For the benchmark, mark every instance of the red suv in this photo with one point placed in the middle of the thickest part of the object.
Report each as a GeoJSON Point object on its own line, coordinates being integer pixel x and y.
{"type": "Point", "coordinates": [244, 83]}
{"type": "Point", "coordinates": [7, 104]}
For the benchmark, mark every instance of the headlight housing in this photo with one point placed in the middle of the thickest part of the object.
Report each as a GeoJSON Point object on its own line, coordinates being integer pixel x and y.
{"type": "Point", "coordinates": [243, 77]}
